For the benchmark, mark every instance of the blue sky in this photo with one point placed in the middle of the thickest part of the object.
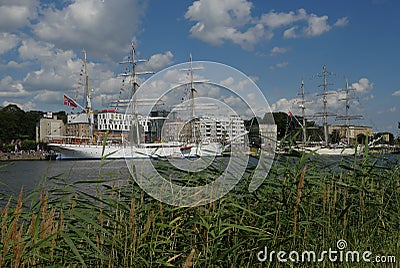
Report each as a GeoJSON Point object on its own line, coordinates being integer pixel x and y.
{"type": "Point", "coordinates": [276, 43]}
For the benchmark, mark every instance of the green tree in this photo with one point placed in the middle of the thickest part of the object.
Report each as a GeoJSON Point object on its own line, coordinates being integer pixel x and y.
{"type": "Point", "coordinates": [10, 118]}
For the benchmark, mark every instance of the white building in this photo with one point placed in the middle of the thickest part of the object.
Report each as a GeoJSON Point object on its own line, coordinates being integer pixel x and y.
{"type": "Point", "coordinates": [229, 127]}
{"type": "Point", "coordinates": [110, 120]}
{"type": "Point", "coordinates": [207, 128]}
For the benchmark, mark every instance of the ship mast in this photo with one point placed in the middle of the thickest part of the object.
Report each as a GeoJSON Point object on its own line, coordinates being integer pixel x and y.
{"type": "Point", "coordinates": [88, 104]}
{"type": "Point", "coordinates": [192, 90]}
{"type": "Point", "coordinates": [190, 70]}
{"type": "Point", "coordinates": [347, 117]}
{"type": "Point", "coordinates": [133, 75]}
{"type": "Point", "coordinates": [325, 113]}
{"type": "Point", "coordinates": [303, 112]}
{"type": "Point", "coordinates": [135, 85]}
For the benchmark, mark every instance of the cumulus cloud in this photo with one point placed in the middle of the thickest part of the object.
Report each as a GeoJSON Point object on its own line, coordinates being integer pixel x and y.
{"type": "Point", "coordinates": [8, 41]}
{"type": "Point", "coordinates": [103, 26]}
{"type": "Point", "coordinates": [31, 49]}
{"type": "Point", "coordinates": [220, 21]}
{"type": "Point", "coordinates": [283, 105]}
{"type": "Point", "coordinates": [316, 25]}
{"type": "Point", "coordinates": [280, 19]}
{"type": "Point", "coordinates": [57, 67]}
{"type": "Point", "coordinates": [17, 14]}
{"type": "Point", "coordinates": [10, 88]}
{"type": "Point", "coordinates": [290, 33]}
{"type": "Point", "coordinates": [363, 85]}
{"type": "Point", "coordinates": [27, 106]}
{"type": "Point", "coordinates": [157, 62]}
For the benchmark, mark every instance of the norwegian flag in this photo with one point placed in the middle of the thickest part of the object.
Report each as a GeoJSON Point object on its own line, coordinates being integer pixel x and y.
{"type": "Point", "coordinates": [69, 102]}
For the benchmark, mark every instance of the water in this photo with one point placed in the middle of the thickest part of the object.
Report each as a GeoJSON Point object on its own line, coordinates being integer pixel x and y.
{"type": "Point", "coordinates": [30, 174]}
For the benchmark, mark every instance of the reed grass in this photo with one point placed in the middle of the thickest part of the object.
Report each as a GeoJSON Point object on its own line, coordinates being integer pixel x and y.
{"type": "Point", "coordinates": [305, 204]}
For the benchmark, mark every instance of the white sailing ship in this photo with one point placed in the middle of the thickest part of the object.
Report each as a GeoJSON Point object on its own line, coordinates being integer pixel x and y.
{"type": "Point", "coordinates": [97, 144]}
{"type": "Point", "coordinates": [327, 148]}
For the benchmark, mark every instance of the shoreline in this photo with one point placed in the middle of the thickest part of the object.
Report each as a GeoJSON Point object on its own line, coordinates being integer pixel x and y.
{"type": "Point", "coordinates": [27, 156]}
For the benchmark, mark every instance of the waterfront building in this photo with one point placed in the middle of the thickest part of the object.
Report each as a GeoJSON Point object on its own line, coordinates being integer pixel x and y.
{"type": "Point", "coordinates": [49, 128]}
{"type": "Point", "coordinates": [354, 131]}
{"type": "Point", "coordinates": [79, 125]}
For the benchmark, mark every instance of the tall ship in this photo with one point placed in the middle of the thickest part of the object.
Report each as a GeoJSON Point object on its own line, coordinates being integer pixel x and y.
{"type": "Point", "coordinates": [115, 133]}
{"type": "Point", "coordinates": [326, 147]}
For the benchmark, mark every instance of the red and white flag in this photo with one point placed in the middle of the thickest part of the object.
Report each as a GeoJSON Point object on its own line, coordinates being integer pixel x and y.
{"type": "Point", "coordinates": [69, 102]}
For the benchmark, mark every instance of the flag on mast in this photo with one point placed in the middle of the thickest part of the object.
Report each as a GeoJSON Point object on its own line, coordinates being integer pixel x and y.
{"type": "Point", "coordinates": [69, 101]}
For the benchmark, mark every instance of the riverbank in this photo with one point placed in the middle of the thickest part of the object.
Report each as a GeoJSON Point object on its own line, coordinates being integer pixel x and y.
{"type": "Point", "coordinates": [28, 156]}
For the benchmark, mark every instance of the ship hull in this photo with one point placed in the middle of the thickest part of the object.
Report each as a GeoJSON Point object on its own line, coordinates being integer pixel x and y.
{"type": "Point", "coordinates": [341, 151]}
{"type": "Point", "coordinates": [145, 151]}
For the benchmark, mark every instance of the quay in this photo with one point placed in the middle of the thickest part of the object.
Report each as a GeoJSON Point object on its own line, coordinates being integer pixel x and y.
{"type": "Point", "coordinates": [28, 156]}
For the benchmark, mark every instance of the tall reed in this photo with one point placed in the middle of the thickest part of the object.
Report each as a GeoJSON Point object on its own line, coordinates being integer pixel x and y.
{"type": "Point", "coordinates": [115, 224]}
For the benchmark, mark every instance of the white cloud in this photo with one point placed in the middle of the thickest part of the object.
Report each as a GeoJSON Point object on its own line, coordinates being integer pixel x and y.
{"type": "Point", "coordinates": [276, 20]}
{"type": "Point", "coordinates": [17, 13]}
{"type": "Point", "coordinates": [11, 89]}
{"type": "Point", "coordinates": [279, 65]}
{"type": "Point", "coordinates": [47, 96]}
{"type": "Point", "coordinates": [14, 64]}
{"type": "Point", "coordinates": [57, 68]}
{"type": "Point", "coordinates": [278, 50]}
{"type": "Point", "coordinates": [219, 21]}
{"type": "Point", "coordinates": [316, 26]}
{"type": "Point", "coordinates": [342, 22]}
{"type": "Point", "coordinates": [396, 93]}
{"type": "Point", "coordinates": [8, 41]}
{"type": "Point", "coordinates": [283, 105]}
{"type": "Point", "coordinates": [290, 33]}
{"type": "Point", "coordinates": [27, 106]}
{"type": "Point", "coordinates": [31, 50]}
{"type": "Point", "coordinates": [363, 85]}
{"type": "Point", "coordinates": [102, 27]}
{"type": "Point", "coordinates": [157, 62]}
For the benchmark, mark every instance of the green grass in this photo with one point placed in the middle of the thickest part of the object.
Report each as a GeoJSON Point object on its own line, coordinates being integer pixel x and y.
{"type": "Point", "coordinates": [305, 204]}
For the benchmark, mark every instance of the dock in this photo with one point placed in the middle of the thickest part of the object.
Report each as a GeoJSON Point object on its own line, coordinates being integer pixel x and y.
{"type": "Point", "coordinates": [27, 156]}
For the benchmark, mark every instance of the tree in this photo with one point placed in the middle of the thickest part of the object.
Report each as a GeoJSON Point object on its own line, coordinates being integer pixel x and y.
{"type": "Point", "coordinates": [17, 124]}
{"type": "Point", "coordinates": [10, 118]}
{"type": "Point", "coordinates": [281, 121]}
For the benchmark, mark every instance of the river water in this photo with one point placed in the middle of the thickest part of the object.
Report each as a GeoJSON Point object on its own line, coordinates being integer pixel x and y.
{"type": "Point", "coordinates": [31, 174]}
